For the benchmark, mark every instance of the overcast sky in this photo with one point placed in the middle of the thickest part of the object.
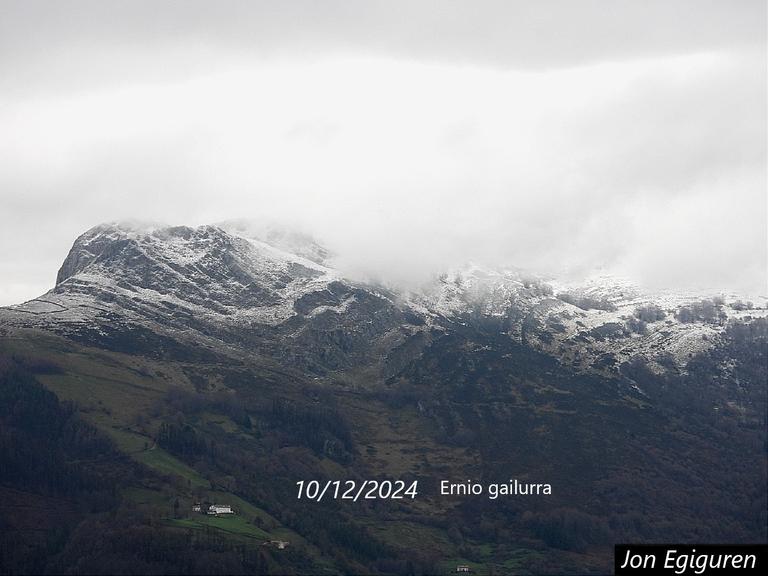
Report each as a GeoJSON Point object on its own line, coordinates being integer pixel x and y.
{"type": "Point", "coordinates": [561, 136]}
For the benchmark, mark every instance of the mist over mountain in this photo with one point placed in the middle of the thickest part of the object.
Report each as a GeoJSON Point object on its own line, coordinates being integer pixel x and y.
{"type": "Point", "coordinates": [652, 168]}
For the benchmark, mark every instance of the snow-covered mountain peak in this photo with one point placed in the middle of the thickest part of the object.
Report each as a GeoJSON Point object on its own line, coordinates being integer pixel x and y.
{"type": "Point", "coordinates": [246, 275]}
{"type": "Point", "coordinates": [202, 270]}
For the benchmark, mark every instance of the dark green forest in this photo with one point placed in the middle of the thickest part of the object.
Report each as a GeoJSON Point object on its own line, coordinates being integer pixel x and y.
{"type": "Point", "coordinates": [92, 484]}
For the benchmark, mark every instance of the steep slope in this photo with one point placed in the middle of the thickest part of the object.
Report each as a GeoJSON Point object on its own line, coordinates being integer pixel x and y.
{"type": "Point", "coordinates": [203, 271]}
{"type": "Point", "coordinates": [213, 290]}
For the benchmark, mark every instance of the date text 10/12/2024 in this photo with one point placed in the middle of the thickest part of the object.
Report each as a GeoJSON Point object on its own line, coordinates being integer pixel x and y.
{"type": "Point", "coordinates": [355, 490]}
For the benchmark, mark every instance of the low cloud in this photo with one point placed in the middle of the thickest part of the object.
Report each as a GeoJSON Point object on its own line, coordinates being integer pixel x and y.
{"type": "Point", "coordinates": [652, 165]}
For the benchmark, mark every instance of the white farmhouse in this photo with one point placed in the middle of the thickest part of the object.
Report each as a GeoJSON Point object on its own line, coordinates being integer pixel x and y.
{"type": "Point", "coordinates": [217, 509]}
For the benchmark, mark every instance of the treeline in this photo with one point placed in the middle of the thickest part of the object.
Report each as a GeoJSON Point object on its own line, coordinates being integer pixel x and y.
{"type": "Point", "coordinates": [731, 372]}
{"type": "Point", "coordinates": [62, 510]}
{"type": "Point", "coordinates": [182, 439]}
{"type": "Point", "coordinates": [229, 403]}
{"type": "Point", "coordinates": [313, 424]}
{"type": "Point", "coordinates": [54, 469]}
{"type": "Point", "coordinates": [45, 446]}
{"type": "Point", "coordinates": [708, 310]}
{"type": "Point", "coordinates": [320, 428]}
{"type": "Point", "coordinates": [644, 315]}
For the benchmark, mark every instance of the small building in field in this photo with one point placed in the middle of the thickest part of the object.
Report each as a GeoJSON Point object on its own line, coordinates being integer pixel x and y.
{"type": "Point", "coordinates": [279, 544]}
{"type": "Point", "coordinates": [463, 568]}
{"type": "Point", "coordinates": [219, 509]}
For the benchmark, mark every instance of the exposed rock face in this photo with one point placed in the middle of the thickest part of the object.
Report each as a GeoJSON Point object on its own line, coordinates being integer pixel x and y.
{"type": "Point", "coordinates": [265, 290]}
{"type": "Point", "coordinates": [205, 267]}
{"type": "Point", "coordinates": [217, 289]}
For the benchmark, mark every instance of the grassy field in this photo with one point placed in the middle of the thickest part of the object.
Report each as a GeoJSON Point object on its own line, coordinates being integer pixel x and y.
{"type": "Point", "coordinates": [159, 460]}
{"type": "Point", "coordinates": [236, 525]}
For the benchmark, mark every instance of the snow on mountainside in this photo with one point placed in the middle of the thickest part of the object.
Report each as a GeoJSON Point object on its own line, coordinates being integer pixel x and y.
{"type": "Point", "coordinates": [594, 325]}
{"type": "Point", "coordinates": [160, 290]}
{"type": "Point", "coordinates": [204, 270]}
{"type": "Point", "coordinates": [238, 279]}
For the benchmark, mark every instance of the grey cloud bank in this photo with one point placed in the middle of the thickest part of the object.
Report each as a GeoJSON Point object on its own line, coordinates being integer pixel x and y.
{"type": "Point", "coordinates": [622, 136]}
{"type": "Point", "coordinates": [508, 33]}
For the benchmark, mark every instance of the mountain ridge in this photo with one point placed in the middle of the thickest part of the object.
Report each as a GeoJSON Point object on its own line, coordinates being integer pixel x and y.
{"type": "Point", "coordinates": [212, 281]}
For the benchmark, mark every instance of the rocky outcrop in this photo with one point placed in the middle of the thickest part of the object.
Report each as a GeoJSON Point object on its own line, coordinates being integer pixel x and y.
{"type": "Point", "coordinates": [266, 290]}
